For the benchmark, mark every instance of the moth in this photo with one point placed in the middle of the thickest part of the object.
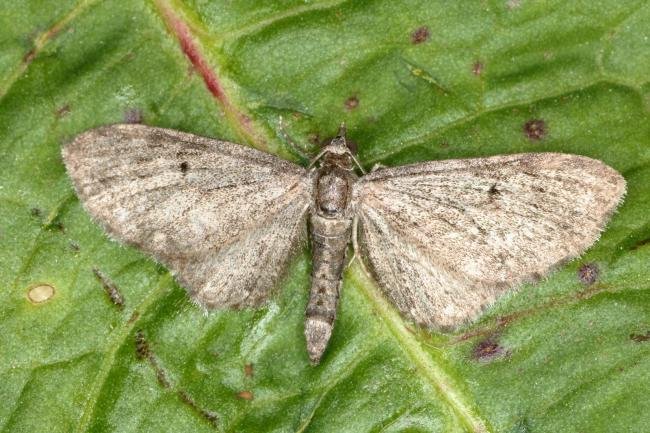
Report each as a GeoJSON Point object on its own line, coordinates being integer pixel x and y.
{"type": "Point", "coordinates": [442, 239]}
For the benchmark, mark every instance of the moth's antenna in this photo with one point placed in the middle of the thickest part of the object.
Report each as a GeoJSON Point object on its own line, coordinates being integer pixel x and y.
{"type": "Point", "coordinates": [354, 158]}
{"type": "Point", "coordinates": [316, 158]}
{"type": "Point", "coordinates": [342, 130]}
{"type": "Point", "coordinates": [342, 133]}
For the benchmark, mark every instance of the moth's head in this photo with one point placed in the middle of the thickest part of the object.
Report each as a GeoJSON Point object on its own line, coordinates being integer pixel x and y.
{"type": "Point", "coordinates": [339, 151]}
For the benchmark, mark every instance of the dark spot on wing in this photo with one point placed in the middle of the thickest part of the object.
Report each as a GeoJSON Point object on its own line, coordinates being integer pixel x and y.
{"type": "Point", "coordinates": [588, 273]}
{"type": "Point", "coordinates": [184, 166]}
{"type": "Point", "coordinates": [133, 115]}
{"type": "Point", "coordinates": [493, 191]}
{"type": "Point", "coordinates": [351, 103]}
{"type": "Point", "coordinates": [640, 338]}
{"type": "Point", "coordinates": [419, 35]}
{"type": "Point", "coordinates": [488, 349]}
{"type": "Point", "coordinates": [535, 129]}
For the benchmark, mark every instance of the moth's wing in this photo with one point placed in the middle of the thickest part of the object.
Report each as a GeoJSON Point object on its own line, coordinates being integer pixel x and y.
{"type": "Point", "coordinates": [223, 217]}
{"type": "Point", "coordinates": [445, 238]}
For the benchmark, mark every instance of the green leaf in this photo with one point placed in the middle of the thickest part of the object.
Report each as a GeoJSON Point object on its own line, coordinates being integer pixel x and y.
{"type": "Point", "coordinates": [414, 81]}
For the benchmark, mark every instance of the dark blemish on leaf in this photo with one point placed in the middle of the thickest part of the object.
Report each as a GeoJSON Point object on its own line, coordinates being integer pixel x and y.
{"type": "Point", "coordinates": [419, 35]}
{"type": "Point", "coordinates": [248, 370]}
{"type": "Point", "coordinates": [133, 115]}
{"type": "Point", "coordinates": [477, 68]}
{"type": "Point", "coordinates": [110, 288]}
{"type": "Point", "coordinates": [29, 56]}
{"type": "Point", "coordinates": [62, 111]}
{"type": "Point", "coordinates": [143, 351]}
{"type": "Point", "coordinates": [184, 166]}
{"type": "Point", "coordinates": [588, 273]}
{"type": "Point", "coordinates": [134, 316]}
{"type": "Point", "coordinates": [74, 246]}
{"type": "Point", "coordinates": [141, 345]}
{"type": "Point", "coordinates": [640, 244]}
{"type": "Point", "coordinates": [640, 338]}
{"type": "Point", "coordinates": [208, 415]}
{"type": "Point", "coordinates": [314, 138]}
{"type": "Point", "coordinates": [535, 129]}
{"type": "Point", "coordinates": [56, 225]}
{"type": "Point", "coordinates": [245, 395]}
{"type": "Point", "coordinates": [40, 293]}
{"type": "Point", "coordinates": [36, 212]}
{"type": "Point", "coordinates": [444, 144]}
{"type": "Point", "coordinates": [351, 103]}
{"type": "Point", "coordinates": [488, 349]}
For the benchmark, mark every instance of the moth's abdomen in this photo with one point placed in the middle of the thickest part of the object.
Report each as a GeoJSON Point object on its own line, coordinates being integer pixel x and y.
{"type": "Point", "coordinates": [330, 237]}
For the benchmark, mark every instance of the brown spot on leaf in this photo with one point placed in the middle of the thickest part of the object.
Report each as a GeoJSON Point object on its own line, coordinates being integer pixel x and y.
{"type": "Point", "coordinates": [245, 395]}
{"type": "Point", "coordinates": [36, 212]}
{"type": "Point", "coordinates": [74, 246]}
{"type": "Point", "coordinates": [62, 111]}
{"type": "Point", "coordinates": [40, 293]}
{"type": "Point", "coordinates": [314, 138]}
{"type": "Point", "coordinates": [351, 103]}
{"type": "Point", "coordinates": [134, 316]}
{"type": "Point", "coordinates": [110, 288]}
{"type": "Point", "coordinates": [29, 56]}
{"type": "Point", "coordinates": [141, 345]}
{"type": "Point", "coordinates": [640, 338]}
{"type": "Point", "coordinates": [419, 35]}
{"type": "Point", "coordinates": [248, 370]}
{"type": "Point", "coordinates": [640, 244]}
{"type": "Point", "coordinates": [477, 68]}
{"type": "Point", "coordinates": [535, 129]}
{"type": "Point", "coordinates": [588, 273]}
{"type": "Point", "coordinates": [488, 349]}
{"type": "Point", "coordinates": [188, 400]}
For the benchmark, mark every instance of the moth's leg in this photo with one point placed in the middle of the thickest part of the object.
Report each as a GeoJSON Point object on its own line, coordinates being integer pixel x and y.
{"type": "Point", "coordinates": [377, 166]}
{"type": "Point", "coordinates": [355, 245]}
{"type": "Point", "coordinates": [301, 150]}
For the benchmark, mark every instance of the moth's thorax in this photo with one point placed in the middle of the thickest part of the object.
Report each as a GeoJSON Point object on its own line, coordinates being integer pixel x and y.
{"type": "Point", "coordinates": [334, 182]}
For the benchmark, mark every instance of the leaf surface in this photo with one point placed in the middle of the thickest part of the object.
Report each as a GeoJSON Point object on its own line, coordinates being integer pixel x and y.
{"type": "Point", "coordinates": [414, 81]}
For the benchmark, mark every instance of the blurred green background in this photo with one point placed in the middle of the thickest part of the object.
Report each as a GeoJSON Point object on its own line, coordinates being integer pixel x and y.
{"type": "Point", "coordinates": [413, 81]}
